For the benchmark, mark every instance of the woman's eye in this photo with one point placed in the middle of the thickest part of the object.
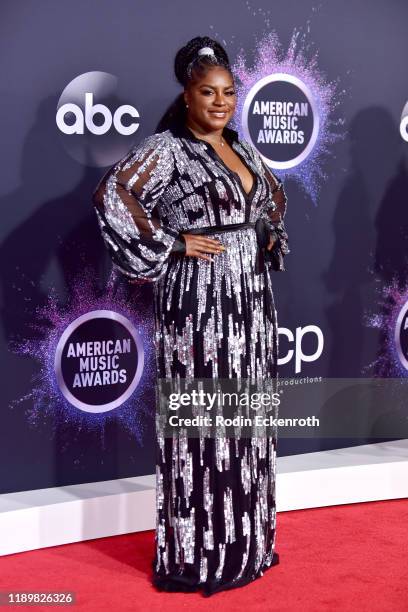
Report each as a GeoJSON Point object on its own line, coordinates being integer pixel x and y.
{"type": "Point", "coordinates": [208, 92]}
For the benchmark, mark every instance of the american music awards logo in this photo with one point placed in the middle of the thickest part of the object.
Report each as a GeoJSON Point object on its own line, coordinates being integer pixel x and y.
{"type": "Point", "coordinates": [391, 318]}
{"type": "Point", "coordinates": [280, 118]}
{"type": "Point", "coordinates": [286, 109]}
{"type": "Point", "coordinates": [95, 359]}
{"type": "Point", "coordinates": [99, 361]}
{"type": "Point", "coordinates": [401, 335]}
{"type": "Point", "coordinates": [404, 123]}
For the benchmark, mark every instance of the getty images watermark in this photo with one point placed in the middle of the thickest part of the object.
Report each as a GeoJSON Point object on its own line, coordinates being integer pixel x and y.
{"type": "Point", "coordinates": [303, 407]}
{"type": "Point", "coordinates": [223, 407]}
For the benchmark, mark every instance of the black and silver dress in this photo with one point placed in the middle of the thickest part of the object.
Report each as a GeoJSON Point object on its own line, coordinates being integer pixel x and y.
{"type": "Point", "coordinates": [216, 513]}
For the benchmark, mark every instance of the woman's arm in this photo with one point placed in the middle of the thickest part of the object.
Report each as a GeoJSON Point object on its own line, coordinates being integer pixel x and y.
{"type": "Point", "coordinates": [125, 202]}
{"type": "Point", "coordinates": [274, 214]}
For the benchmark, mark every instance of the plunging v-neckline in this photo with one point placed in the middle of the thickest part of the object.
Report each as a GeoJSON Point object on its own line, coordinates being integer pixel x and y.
{"type": "Point", "coordinates": [248, 195]}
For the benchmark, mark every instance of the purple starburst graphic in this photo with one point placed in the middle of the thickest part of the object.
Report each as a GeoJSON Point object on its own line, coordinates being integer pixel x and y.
{"type": "Point", "coordinates": [270, 58]}
{"type": "Point", "coordinates": [46, 402]}
{"type": "Point", "coordinates": [391, 299]}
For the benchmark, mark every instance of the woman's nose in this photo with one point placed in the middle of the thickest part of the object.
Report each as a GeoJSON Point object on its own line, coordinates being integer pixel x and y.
{"type": "Point", "coordinates": [220, 99]}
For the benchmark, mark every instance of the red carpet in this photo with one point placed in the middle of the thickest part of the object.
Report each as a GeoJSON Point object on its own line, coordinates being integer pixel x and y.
{"type": "Point", "coordinates": [346, 558]}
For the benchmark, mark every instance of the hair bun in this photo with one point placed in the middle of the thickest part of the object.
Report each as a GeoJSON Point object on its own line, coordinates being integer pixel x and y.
{"type": "Point", "coordinates": [199, 51]}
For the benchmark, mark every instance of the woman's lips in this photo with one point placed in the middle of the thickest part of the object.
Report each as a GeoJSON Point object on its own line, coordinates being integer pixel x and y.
{"type": "Point", "coordinates": [220, 114]}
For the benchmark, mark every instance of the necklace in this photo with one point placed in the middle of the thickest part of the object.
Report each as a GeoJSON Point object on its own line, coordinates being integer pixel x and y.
{"type": "Point", "coordinates": [222, 141]}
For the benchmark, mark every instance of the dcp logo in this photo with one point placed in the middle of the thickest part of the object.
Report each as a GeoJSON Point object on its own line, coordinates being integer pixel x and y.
{"type": "Point", "coordinates": [96, 129]}
{"type": "Point", "coordinates": [280, 119]}
{"type": "Point", "coordinates": [303, 335]}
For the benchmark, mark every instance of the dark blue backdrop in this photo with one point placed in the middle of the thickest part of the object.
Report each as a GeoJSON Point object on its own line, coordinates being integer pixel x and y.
{"type": "Point", "coordinates": [49, 231]}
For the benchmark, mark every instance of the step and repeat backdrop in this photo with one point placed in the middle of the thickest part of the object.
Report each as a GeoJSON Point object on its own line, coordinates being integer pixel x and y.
{"type": "Point", "coordinates": [322, 95]}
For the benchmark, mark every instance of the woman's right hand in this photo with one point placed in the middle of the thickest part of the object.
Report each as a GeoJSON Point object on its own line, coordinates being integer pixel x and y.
{"type": "Point", "coordinates": [198, 246]}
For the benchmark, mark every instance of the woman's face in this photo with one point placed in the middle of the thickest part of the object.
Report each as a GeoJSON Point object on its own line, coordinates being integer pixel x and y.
{"type": "Point", "coordinates": [211, 99]}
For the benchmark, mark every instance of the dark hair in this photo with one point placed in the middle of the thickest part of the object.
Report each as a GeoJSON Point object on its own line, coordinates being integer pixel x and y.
{"type": "Point", "coordinates": [188, 65]}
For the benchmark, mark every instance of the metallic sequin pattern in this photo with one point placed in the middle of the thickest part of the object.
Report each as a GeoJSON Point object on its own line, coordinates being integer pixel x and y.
{"type": "Point", "coordinates": [215, 498]}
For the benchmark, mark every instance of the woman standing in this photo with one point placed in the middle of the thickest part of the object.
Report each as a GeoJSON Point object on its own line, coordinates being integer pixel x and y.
{"type": "Point", "coordinates": [194, 210]}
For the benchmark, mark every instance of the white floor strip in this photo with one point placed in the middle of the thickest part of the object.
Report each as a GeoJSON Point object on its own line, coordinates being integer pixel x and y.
{"type": "Point", "coordinates": [49, 517]}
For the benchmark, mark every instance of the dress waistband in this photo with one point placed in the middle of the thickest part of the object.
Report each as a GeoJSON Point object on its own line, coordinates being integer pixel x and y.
{"type": "Point", "coordinates": [216, 229]}
{"type": "Point", "coordinates": [263, 232]}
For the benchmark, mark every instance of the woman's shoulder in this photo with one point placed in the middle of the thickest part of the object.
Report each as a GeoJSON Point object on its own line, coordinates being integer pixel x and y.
{"type": "Point", "coordinates": [153, 146]}
{"type": "Point", "coordinates": [159, 141]}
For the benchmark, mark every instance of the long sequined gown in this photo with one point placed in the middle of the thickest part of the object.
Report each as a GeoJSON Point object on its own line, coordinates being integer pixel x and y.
{"type": "Point", "coordinates": [216, 512]}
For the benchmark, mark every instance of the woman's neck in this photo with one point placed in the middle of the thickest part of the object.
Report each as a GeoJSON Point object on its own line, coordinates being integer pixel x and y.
{"type": "Point", "coordinates": [211, 135]}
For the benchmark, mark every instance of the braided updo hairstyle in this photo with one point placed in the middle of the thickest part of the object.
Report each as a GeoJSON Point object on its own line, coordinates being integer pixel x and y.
{"type": "Point", "coordinates": [189, 65]}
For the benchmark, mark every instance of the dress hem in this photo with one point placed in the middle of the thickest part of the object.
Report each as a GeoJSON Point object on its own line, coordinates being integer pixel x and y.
{"type": "Point", "coordinates": [177, 584]}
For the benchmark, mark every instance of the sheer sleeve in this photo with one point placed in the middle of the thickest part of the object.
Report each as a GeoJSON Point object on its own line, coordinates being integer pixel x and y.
{"type": "Point", "coordinates": [125, 201]}
{"type": "Point", "coordinates": [274, 214]}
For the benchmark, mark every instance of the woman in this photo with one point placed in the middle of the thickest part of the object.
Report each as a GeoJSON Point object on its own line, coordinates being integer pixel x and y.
{"type": "Point", "coordinates": [194, 210]}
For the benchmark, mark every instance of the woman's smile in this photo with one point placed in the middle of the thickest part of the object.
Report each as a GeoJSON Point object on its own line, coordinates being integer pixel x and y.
{"type": "Point", "coordinates": [220, 114]}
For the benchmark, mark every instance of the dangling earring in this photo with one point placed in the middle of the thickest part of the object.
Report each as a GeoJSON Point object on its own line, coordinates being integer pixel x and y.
{"type": "Point", "coordinates": [186, 105]}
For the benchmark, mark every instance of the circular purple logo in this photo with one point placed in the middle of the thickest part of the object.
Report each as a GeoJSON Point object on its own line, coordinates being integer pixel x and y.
{"type": "Point", "coordinates": [95, 127]}
{"type": "Point", "coordinates": [401, 335]}
{"type": "Point", "coordinates": [280, 119]}
{"type": "Point", "coordinates": [99, 361]}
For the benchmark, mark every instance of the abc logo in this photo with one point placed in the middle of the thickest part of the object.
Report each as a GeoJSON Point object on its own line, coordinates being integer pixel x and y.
{"type": "Point", "coordinates": [87, 118]}
{"type": "Point", "coordinates": [95, 126]}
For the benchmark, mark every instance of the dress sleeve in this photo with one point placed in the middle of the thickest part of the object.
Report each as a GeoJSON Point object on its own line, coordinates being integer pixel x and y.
{"type": "Point", "coordinates": [125, 201]}
{"type": "Point", "coordinates": [274, 214]}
